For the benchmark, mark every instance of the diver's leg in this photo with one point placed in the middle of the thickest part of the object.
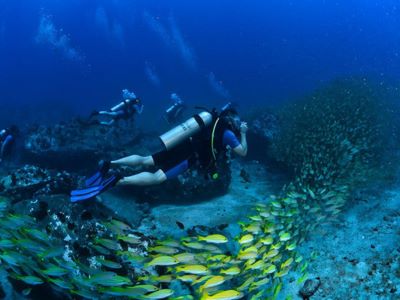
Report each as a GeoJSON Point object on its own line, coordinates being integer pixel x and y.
{"type": "Point", "coordinates": [109, 123]}
{"type": "Point", "coordinates": [108, 113]}
{"type": "Point", "coordinates": [144, 178]}
{"type": "Point", "coordinates": [134, 160]}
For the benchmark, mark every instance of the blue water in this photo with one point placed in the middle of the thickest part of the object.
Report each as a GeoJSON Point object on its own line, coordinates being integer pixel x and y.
{"type": "Point", "coordinates": [62, 58]}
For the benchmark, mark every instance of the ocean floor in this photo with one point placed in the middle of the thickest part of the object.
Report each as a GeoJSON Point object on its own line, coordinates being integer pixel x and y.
{"type": "Point", "coordinates": [357, 257]}
{"type": "Point", "coordinates": [160, 220]}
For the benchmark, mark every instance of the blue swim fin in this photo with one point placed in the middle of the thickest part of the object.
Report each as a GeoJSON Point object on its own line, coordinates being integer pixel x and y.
{"type": "Point", "coordinates": [94, 180]}
{"type": "Point", "coordinates": [91, 192]}
{"type": "Point", "coordinates": [98, 177]}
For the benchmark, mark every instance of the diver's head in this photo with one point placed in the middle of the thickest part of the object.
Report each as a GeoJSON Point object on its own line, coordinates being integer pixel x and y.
{"type": "Point", "coordinates": [231, 119]}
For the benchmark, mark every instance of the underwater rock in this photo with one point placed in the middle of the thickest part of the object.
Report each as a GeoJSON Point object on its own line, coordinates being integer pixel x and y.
{"type": "Point", "coordinates": [309, 288]}
{"type": "Point", "coordinates": [77, 145]}
{"type": "Point", "coordinates": [30, 181]}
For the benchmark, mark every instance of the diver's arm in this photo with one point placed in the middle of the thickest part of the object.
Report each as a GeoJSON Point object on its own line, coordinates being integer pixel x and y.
{"type": "Point", "coordinates": [241, 150]}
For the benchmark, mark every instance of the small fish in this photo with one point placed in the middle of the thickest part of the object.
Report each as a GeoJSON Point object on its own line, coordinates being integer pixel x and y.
{"type": "Point", "coordinates": [245, 285]}
{"type": "Point", "coordinates": [130, 239]}
{"type": "Point", "coordinates": [6, 244]}
{"type": "Point", "coordinates": [298, 259]}
{"type": "Point", "coordinates": [36, 234]}
{"type": "Point", "coordinates": [169, 243]}
{"type": "Point", "coordinates": [66, 285]}
{"type": "Point", "coordinates": [255, 218]}
{"type": "Point", "coordinates": [212, 248]}
{"type": "Point", "coordinates": [271, 253]}
{"type": "Point", "coordinates": [163, 261]}
{"type": "Point", "coordinates": [180, 225]}
{"type": "Point", "coordinates": [189, 278]}
{"type": "Point", "coordinates": [132, 291]}
{"type": "Point", "coordinates": [109, 264]}
{"type": "Point", "coordinates": [194, 245]}
{"type": "Point", "coordinates": [29, 245]}
{"type": "Point", "coordinates": [109, 244]}
{"type": "Point", "coordinates": [185, 257]}
{"type": "Point", "coordinates": [276, 204]}
{"type": "Point", "coordinates": [247, 238]}
{"type": "Point", "coordinates": [212, 282]}
{"type": "Point", "coordinates": [52, 252]}
{"type": "Point", "coordinates": [267, 240]}
{"type": "Point", "coordinates": [276, 246]}
{"type": "Point", "coordinates": [260, 283]}
{"type": "Point", "coordinates": [287, 263]}
{"type": "Point", "coordinates": [12, 258]}
{"type": "Point", "coordinates": [101, 249]}
{"type": "Point", "coordinates": [164, 250]}
{"type": "Point", "coordinates": [32, 280]}
{"type": "Point", "coordinates": [193, 269]}
{"type": "Point", "coordinates": [219, 257]}
{"type": "Point", "coordinates": [291, 246]}
{"type": "Point", "coordinates": [302, 278]}
{"type": "Point", "coordinates": [214, 239]}
{"type": "Point", "coordinates": [281, 273]}
{"type": "Point", "coordinates": [109, 279]}
{"type": "Point", "coordinates": [256, 266]}
{"type": "Point", "coordinates": [271, 269]}
{"type": "Point", "coordinates": [223, 295]}
{"type": "Point", "coordinates": [277, 289]}
{"type": "Point", "coordinates": [253, 228]}
{"type": "Point", "coordinates": [201, 279]}
{"type": "Point", "coordinates": [231, 271]}
{"type": "Point", "coordinates": [284, 236]}
{"type": "Point", "coordinates": [247, 255]}
{"type": "Point", "coordinates": [53, 270]}
{"type": "Point", "coordinates": [167, 278]}
{"type": "Point", "coordinates": [119, 224]}
{"type": "Point", "coordinates": [276, 258]}
{"type": "Point", "coordinates": [161, 294]}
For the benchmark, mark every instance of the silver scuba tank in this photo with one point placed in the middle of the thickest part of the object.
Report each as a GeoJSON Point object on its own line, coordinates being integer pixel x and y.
{"type": "Point", "coordinates": [118, 106]}
{"type": "Point", "coordinates": [186, 129]}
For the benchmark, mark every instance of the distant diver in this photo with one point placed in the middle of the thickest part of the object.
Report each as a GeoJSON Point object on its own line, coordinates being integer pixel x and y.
{"type": "Point", "coordinates": [200, 140]}
{"type": "Point", "coordinates": [7, 140]}
{"type": "Point", "coordinates": [122, 111]}
{"type": "Point", "coordinates": [173, 114]}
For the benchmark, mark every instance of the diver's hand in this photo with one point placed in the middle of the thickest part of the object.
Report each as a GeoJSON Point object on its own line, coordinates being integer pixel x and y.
{"type": "Point", "coordinates": [243, 128]}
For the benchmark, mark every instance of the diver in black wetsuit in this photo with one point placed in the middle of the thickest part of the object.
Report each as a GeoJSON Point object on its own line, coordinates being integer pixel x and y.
{"type": "Point", "coordinates": [122, 111]}
{"type": "Point", "coordinates": [7, 140]}
{"type": "Point", "coordinates": [173, 114]}
{"type": "Point", "coordinates": [182, 149]}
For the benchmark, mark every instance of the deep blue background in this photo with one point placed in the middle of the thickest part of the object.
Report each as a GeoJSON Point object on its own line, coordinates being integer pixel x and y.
{"type": "Point", "coordinates": [261, 51]}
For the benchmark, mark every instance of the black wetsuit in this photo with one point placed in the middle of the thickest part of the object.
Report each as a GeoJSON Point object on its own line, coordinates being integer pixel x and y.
{"type": "Point", "coordinates": [196, 150]}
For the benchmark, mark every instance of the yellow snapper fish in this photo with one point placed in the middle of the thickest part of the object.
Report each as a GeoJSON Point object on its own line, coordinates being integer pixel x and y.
{"type": "Point", "coordinates": [231, 271]}
{"type": "Point", "coordinates": [185, 257]}
{"type": "Point", "coordinates": [267, 240]}
{"type": "Point", "coordinates": [163, 261]}
{"type": "Point", "coordinates": [214, 239]}
{"type": "Point", "coordinates": [161, 294]}
{"type": "Point", "coordinates": [212, 282]}
{"type": "Point", "coordinates": [187, 278]}
{"type": "Point", "coordinates": [193, 269]}
{"type": "Point", "coordinates": [223, 295]}
{"type": "Point", "coordinates": [247, 238]}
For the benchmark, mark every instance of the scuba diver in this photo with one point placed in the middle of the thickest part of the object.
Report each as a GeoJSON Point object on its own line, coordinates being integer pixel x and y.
{"type": "Point", "coordinates": [122, 111]}
{"type": "Point", "coordinates": [7, 139]}
{"type": "Point", "coordinates": [173, 114]}
{"type": "Point", "coordinates": [199, 141]}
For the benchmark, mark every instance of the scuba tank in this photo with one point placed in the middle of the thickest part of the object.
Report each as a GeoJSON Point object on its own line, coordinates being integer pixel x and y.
{"type": "Point", "coordinates": [186, 129]}
{"type": "Point", "coordinates": [119, 106]}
